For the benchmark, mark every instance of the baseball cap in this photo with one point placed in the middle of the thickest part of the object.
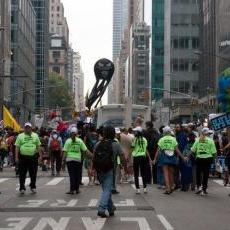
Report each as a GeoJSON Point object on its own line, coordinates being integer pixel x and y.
{"type": "Point", "coordinates": [138, 129]}
{"type": "Point", "coordinates": [117, 131]}
{"type": "Point", "coordinates": [205, 130]}
{"type": "Point", "coordinates": [28, 124]}
{"type": "Point", "coordinates": [73, 130]}
{"type": "Point", "coordinates": [167, 129]}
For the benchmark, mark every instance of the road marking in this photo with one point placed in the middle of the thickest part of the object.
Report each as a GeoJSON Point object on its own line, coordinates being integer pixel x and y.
{"type": "Point", "coordinates": [17, 223]}
{"type": "Point", "coordinates": [55, 181]}
{"type": "Point", "coordinates": [3, 180]}
{"type": "Point", "coordinates": [27, 183]}
{"type": "Point", "coordinates": [166, 224]}
{"type": "Point", "coordinates": [93, 203]}
{"type": "Point", "coordinates": [127, 202]}
{"type": "Point", "coordinates": [63, 203]}
{"type": "Point", "coordinates": [85, 180]}
{"type": "Point", "coordinates": [33, 204]}
{"type": "Point", "coordinates": [90, 224]}
{"type": "Point", "coordinates": [53, 224]}
{"type": "Point", "coordinates": [142, 222]}
{"type": "Point", "coordinates": [220, 182]}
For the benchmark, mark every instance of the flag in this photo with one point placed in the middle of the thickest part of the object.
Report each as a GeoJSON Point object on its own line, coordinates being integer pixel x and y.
{"type": "Point", "coordinates": [9, 120]}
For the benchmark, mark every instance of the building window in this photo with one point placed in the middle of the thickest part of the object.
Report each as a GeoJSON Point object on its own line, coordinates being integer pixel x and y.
{"type": "Point", "coordinates": [58, 8]}
{"type": "Point", "coordinates": [184, 43]}
{"type": "Point", "coordinates": [195, 43]}
{"type": "Point", "coordinates": [56, 54]}
{"type": "Point", "coordinates": [56, 69]}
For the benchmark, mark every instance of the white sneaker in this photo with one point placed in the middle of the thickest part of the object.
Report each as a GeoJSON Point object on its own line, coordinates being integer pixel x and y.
{"type": "Point", "coordinates": [138, 191]}
{"type": "Point", "coordinates": [33, 191]}
{"type": "Point", "coordinates": [22, 192]}
{"type": "Point", "coordinates": [145, 190]}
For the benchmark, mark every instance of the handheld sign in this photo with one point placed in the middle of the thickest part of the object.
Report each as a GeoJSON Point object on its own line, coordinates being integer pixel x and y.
{"type": "Point", "coordinates": [221, 122]}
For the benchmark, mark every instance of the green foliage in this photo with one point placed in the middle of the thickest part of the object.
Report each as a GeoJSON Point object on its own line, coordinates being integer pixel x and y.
{"type": "Point", "coordinates": [59, 94]}
{"type": "Point", "coordinates": [226, 72]}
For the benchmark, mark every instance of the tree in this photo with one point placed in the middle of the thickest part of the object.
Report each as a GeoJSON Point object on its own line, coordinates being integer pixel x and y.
{"type": "Point", "coordinates": [59, 95]}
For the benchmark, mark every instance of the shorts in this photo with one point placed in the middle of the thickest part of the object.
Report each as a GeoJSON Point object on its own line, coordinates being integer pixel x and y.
{"type": "Point", "coordinates": [168, 160]}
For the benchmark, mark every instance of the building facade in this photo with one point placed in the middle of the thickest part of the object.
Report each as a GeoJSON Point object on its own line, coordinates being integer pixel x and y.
{"type": "Point", "coordinates": [70, 67]}
{"type": "Point", "coordinates": [139, 64]}
{"type": "Point", "coordinates": [23, 45]}
{"type": "Point", "coordinates": [59, 31]}
{"type": "Point", "coordinates": [58, 56]}
{"type": "Point", "coordinates": [78, 83]}
{"type": "Point", "coordinates": [5, 51]}
{"type": "Point", "coordinates": [41, 8]}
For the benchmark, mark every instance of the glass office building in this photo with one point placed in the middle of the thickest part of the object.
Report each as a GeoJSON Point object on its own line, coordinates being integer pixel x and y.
{"type": "Point", "coordinates": [157, 48]}
{"type": "Point", "coordinates": [42, 47]}
{"type": "Point", "coordinates": [23, 32]}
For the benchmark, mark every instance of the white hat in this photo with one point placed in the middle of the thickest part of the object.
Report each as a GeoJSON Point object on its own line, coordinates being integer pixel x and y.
{"type": "Point", "coordinates": [138, 129]}
{"type": "Point", "coordinates": [167, 129]}
{"type": "Point", "coordinates": [117, 130]}
{"type": "Point", "coordinates": [205, 130]}
{"type": "Point", "coordinates": [73, 130]}
{"type": "Point", "coordinates": [28, 124]}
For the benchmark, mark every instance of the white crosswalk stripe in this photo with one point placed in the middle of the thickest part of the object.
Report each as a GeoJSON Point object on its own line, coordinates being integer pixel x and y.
{"type": "Point", "coordinates": [3, 180]}
{"type": "Point", "coordinates": [55, 181]}
{"type": "Point", "coordinates": [27, 183]}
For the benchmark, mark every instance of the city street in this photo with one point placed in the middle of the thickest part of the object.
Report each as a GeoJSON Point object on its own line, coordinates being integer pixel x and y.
{"type": "Point", "coordinates": [51, 208]}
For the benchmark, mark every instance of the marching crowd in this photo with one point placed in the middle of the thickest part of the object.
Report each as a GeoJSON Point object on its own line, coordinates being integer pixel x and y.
{"type": "Point", "coordinates": [173, 158]}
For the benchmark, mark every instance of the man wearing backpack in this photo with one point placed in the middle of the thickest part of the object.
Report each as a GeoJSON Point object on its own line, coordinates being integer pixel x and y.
{"type": "Point", "coordinates": [106, 151]}
{"type": "Point", "coordinates": [55, 148]}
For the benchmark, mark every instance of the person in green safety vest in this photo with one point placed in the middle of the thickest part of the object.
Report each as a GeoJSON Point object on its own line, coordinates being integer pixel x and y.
{"type": "Point", "coordinates": [204, 150]}
{"type": "Point", "coordinates": [26, 157]}
{"type": "Point", "coordinates": [73, 149]}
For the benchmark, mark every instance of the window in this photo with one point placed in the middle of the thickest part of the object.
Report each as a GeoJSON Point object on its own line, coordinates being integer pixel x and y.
{"type": "Point", "coordinates": [195, 66]}
{"type": "Point", "coordinates": [56, 69]}
{"type": "Point", "coordinates": [183, 65]}
{"type": "Point", "coordinates": [184, 43]}
{"type": "Point", "coordinates": [195, 43]}
{"type": "Point", "coordinates": [58, 8]}
{"type": "Point", "coordinates": [56, 54]}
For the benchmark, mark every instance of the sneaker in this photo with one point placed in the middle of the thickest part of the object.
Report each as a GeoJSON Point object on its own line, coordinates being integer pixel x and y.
{"type": "Point", "coordinates": [145, 190]}
{"type": "Point", "coordinates": [205, 192]}
{"type": "Point", "coordinates": [138, 191]}
{"type": "Point", "coordinates": [112, 212]}
{"type": "Point", "coordinates": [102, 214]}
{"type": "Point", "coordinates": [199, 190]}
{"type": "Point", "coordinates": [115, 192]}
{"type": "Point", "coordinates": [202, 193]}
{"type": "Point", "coordinates": [33, 191]}
{"type": "Point", "coordinates": [22, 191]}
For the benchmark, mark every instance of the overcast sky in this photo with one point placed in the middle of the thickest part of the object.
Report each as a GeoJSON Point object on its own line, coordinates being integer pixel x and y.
{"type": "Point", "coordinates": [90, 25]}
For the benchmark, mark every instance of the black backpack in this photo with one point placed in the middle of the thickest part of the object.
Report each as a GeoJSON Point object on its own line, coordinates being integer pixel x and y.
{"type": "Point", "coordinates": [103, 160]}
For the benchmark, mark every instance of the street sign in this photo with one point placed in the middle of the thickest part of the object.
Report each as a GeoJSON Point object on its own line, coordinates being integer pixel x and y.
{"type": "Point", "coordinates": [221, 122]}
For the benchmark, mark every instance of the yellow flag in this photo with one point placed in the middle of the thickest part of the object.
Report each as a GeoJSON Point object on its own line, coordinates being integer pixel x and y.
{"type": "Point", "coordinates": [9, 120]}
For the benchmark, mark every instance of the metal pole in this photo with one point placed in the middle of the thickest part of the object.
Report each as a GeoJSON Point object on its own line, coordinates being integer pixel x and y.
{"type": "Point", "coordinates": [2, 60]}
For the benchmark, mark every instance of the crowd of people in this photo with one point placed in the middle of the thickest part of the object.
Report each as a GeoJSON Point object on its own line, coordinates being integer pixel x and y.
{"type": "Point", "coordinates": [173, 158]}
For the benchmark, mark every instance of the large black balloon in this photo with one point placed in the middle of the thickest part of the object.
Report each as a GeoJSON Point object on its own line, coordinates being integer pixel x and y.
{"type": "Point", "coordinates": [104, 70]}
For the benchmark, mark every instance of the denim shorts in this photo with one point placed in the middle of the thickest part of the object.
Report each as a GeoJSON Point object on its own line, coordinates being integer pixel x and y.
{"type": "Point", "coordinates": [169, 160]}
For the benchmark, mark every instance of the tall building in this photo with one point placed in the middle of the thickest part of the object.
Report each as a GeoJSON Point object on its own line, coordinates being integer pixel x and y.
{"type": "Point", "coordinates": [41, 8]}
{"type": "Point", "coordinates": [70, 67]}
{"type": "Point", "coordinates": [5, 52]}
{"type": "Point", "coordinates": [214, 51]}
{"type": "Point", "coordinates": [23, 45]}
{"type": "Point", "coordinates": [59, 39]}
{"type": "Point", "coordinates": [57, 20]}
{"type": "Point", "coordinates": [175, 38]}
{"type": "Point", "coordinates": [120, 21]}
{"type": "Point", "coordinates": [139, 82]}
{"type": "Point", "coordinates": [78, 83]}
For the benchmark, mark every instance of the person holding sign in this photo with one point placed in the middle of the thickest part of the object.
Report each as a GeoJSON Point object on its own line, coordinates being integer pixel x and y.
{"type": "Point", "coordinates": [204, 150]}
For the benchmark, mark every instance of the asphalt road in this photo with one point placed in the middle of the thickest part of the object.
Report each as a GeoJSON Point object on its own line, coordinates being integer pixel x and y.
{"type": "Point", "coordinates": [52, 209]}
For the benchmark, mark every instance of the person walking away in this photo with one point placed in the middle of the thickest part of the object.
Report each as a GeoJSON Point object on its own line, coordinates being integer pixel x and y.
{"type": "Point", "coordinates": [168, 148]}
{"type": "Point", "coordinates": [152, 137]}
{"type": "Point", "coordinates": [55, 147]}
{"type": "Point", "coordinates": [105, 155]}
{"type": "Point", "coordinates": [3, 150]}
{"type": "Point", "coordinates": [140, 159]}
{"type": "Point", "coordinates": [26, 155]}
{"type": "Point", "coordinates": [181, 138]}
{"type": "Point", "coordinates": [186, 167]}
{"type": "Point", "coordinates": [91, 139]}
{"type": "Point", "coordinates": [204, 150]}
{"type": "Point", "coordinates": [74, 149]}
